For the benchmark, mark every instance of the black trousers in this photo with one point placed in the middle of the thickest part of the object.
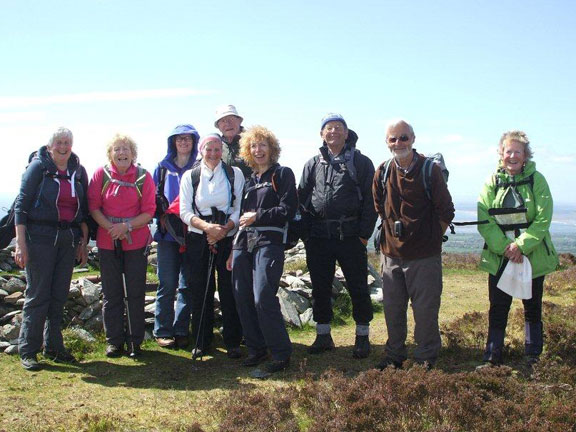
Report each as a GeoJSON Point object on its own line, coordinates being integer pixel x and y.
{"type": "Point", "coordinates": [200, 292]}
{"type": "Point", "coordinates": [321, 257]}
{"type": "Point", "coordinates": [133, 265]}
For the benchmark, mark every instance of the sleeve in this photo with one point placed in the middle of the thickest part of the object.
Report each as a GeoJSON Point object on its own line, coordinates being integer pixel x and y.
{"type": "Point", "coordinates": [441, 198]}
{"type": "Point", "coordinates": [495, 239]}
{"type": "Point", "coordinates": [540, 226]}
{"type": "Point", "coordinates": [95, 190]}
{"type": "Point", "coordinates": [306, 183]}
{"type": "Point", "coordinates": [367, 212]}
{"type": "Point", "coordinates": [377, 192]}
{"type": "Point", "coordinates": [186, 194]}
{"type": "Point", "coordinates": [238, 192]}
{"type": "Point", "coordinates": [84, 183]}
{"type": "Point", "coordinates": [29, 186]}
{"type": "Point", "coordinates": [148, 203]}
{"type": "Point", "coordinates": [288, 201]}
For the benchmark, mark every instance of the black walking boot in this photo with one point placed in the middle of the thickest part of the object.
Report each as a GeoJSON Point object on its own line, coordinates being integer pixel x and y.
{"type": "Point", "coordinates": [322, 343]}
{"type": "Point", "coordinates": [534, 341]}
{"type": "Point", "coordinates": [494, 347]}
{"type": "Point", "coordinates": [361, 347]}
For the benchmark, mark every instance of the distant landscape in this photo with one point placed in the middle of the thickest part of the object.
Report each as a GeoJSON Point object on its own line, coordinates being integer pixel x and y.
{"type": "Point", "coordinates": [467, 239]}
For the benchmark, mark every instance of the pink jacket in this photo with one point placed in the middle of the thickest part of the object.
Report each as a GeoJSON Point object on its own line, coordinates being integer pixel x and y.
{"type": "Point", "coordinates": [122, 202]}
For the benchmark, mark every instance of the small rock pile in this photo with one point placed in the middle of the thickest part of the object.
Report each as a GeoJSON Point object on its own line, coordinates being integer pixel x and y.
{"type": "Point", "coordinates": [83, 309]}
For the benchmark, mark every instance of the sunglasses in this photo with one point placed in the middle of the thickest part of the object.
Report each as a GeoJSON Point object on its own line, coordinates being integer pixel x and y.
{"type": "Point", "coordinates": [402, 138]}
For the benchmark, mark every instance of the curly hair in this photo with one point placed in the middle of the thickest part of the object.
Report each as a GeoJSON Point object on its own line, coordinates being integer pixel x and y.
{"type": "Point", "coordinates": [518, 136]}
{"type": "Point", "coordinates": [123, 139]}
{"type": "Point", "coordinates": [258, 134]}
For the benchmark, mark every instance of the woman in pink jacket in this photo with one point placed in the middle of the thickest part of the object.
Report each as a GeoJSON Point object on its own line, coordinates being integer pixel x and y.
{"type": "Point", "coordinates": [121, 199]}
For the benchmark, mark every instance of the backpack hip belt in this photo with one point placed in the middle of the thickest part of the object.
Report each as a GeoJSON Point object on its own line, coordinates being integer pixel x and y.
{"type": "Point", "coordinates": [115, 219]}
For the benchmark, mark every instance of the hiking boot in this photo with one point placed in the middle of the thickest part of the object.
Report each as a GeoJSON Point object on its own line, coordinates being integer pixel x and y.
{"type": "Point", "coordinates": [182, 341]}
{"type": "Point", "coordinates": [389, 363]}
{"type": "Point", "coordinates": [166, 342]}
{"type": "Point", "coordinates": [255, 359]}
{"type": "Point", "coordinates": [234, 353]}
{"type": "Point", "coordinates": [114, 351]}
{"type": "Point", "coordinates": [323, 342]}
{"type": "Point", "coordinates": [199, 353]}
{"type": "Point", "coordinates": [531, 360]}
{"type": "Point", "coordinates": [30, 363]}
{"type": "Point", "coordinates": [63, 356]}
{"type": "Point", "coordinates": [361, 347]}
{"type": "Point", "coordinates": [270, 368]}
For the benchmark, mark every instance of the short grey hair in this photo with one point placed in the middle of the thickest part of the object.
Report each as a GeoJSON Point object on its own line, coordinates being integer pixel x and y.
{"type": "Point", "coordinates": [398, 122]}
{"type": "Point", "coordinates": [61, 132]}
{"type": "Point", "coordinates": [518, 136]}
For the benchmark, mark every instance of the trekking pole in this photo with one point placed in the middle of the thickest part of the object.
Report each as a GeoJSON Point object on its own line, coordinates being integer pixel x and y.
{"type": "Point", "coordinates": [120, 254]}
{"type": "Point", "coordinates": [200, 333]}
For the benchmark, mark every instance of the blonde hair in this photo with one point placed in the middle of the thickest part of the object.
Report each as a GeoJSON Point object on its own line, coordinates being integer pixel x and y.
{"type": "Point", "coordinates": [124, 139]}
{"type": "Point", "coordinates": [258, 134]}
{"type": "Point", "coordinates": [518, 136]}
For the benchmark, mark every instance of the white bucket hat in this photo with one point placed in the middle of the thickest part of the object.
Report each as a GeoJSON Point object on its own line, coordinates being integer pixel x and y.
{"type": "Point", "coordinates": [225, 110]}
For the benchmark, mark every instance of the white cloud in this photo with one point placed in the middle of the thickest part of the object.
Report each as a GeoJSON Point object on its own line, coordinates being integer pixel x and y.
{"type": "Point", "coordinates": [18, 102]}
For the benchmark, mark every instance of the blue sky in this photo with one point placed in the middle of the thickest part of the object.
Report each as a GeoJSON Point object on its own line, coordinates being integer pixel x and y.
{"type": "Point", "coordinates": [462, 72]}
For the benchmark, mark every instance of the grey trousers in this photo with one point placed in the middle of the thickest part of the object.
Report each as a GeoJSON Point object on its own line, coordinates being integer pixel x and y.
{"type": "Point", "coordinates": [419, 281]}
{"type": "Point", "coordinates": [135, 263]}
{"type": "Point", "coordinates": [48, 274]}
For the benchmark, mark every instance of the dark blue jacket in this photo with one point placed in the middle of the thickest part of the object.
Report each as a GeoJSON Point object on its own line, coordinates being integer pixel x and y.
{"type": "Point", "coordinates": [272, 207]}
{"type": "Point", "coordinates": [172, 171]}
{"type": "Point", "coordinates": [38, 197]}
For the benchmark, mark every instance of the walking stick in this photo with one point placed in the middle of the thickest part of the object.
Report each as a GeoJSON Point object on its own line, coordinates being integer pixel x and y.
{"type": "Point", "coordinates": [120, 254]}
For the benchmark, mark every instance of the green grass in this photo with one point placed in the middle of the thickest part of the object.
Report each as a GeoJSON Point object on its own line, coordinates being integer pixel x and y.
{"type": "Point", "coordinates": [166, 390]}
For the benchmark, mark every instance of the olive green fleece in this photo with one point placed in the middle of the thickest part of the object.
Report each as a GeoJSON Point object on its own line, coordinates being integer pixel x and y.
{"type": "Point", "coordinates": [535, 242]}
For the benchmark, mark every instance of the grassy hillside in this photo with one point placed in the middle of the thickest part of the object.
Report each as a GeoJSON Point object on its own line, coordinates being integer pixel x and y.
{"type": "Point", "coordinates": [166, 390]}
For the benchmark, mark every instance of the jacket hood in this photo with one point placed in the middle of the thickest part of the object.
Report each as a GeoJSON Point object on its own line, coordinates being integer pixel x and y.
{"type": "Point", "coordinates": [44, 156]}
{"type": "Point", "coordinates": [178, 130]}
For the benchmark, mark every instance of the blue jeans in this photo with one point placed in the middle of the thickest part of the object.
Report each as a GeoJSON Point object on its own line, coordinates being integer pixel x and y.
{"type": "Point", "coordinates": [48, 273]}
{"type": "Point", "coordinates": [256, 276]}
{"type": "Point", "coordinates": [170, 278]}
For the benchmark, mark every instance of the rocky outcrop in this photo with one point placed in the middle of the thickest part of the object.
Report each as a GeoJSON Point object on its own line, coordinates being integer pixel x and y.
{"type": "Point", "coordinates": [83, 309]}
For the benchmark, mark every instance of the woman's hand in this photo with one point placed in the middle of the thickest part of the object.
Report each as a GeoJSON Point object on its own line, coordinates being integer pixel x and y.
{"type": "Point", "coordinates": [247, 219]}
{"type": "Point", "coordinates": [513, 253]}
{"type": "Point", "coordinates": [215, 233]}
{"type": "Point", "coordinates": [21, 254]}
{"type": "Point", "coordinates": [82, 253]}
{"type": "Point", "coordinates": [230, 261]}
{"type": "Point", "coordinates": [118, 231]}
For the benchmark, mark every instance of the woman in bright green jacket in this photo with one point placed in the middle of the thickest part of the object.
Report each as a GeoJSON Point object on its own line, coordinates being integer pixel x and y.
{"type": "Point", "coordinates": [524, 235]}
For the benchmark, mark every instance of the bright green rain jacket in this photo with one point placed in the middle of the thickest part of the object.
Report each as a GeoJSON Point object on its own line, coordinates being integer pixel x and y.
{"type": "Point", "coordinates": [535, 241]}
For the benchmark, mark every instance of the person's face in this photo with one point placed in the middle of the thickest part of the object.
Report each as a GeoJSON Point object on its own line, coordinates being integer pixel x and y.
{"type": "Point", "coordinates": [229, 126]}
{"type": "Point", "coordinates": [122, 155]}
{"type": "Point", "coordinates": [61, 148]}
{"type": "Point", "coordinates": [212, 152]}
{"type": "Point", "coordinates": [334, 133]}
{"type": "Point", "coordinates": [513, 156]}
{"type": "Point", "coordinates": [400, 139]}
{"type": "Point", "coordinates": [184, 143]}
{"type": "Point", "coordinates": [260, 151]}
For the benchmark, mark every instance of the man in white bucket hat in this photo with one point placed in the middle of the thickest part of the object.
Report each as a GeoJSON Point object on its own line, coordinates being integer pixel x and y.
{"type": "Point", "coordinates": [229, 123]}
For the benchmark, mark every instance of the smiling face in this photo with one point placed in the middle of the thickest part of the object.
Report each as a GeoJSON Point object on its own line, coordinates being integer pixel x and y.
{"type": "Point", "coordinates": [229, 126]}
{"type": "Point", "coordinates": [60, 149]}
{"type": "Point", "coordinates": [399, 139]}
{"type": "Point", "coordinates": [212, 153]}
{"type": "Point", "coordinates": [334, 134]}
{"type": "Point", "coordinates": [513, 156]}
{"type": "Point", "coordinates": [121, 156]}
{"type": "Point", "coordinates": [184, 144]}
{"type": "Point", "coordinates": [260, 152]}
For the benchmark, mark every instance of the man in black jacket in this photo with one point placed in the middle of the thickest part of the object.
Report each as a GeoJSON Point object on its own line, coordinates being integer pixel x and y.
{"type": "Point", "coordinates": [336, 196]}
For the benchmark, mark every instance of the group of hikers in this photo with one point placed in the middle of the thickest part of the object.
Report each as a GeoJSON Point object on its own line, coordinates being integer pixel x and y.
{"type": "Point", "coordinates": [224, 206]}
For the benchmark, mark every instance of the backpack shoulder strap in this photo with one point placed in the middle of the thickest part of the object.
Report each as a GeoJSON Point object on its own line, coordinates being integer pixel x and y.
{"type": "Point", "coordinates": [384, 176]}
{"type": "Point", "coordinates": [427, 176]}
{"type": "Point", "coordinates": [106, 179]}
{"type": "Point", "coordinates": [195, 175]}
{"type": "Point", "coordinates": [349, 157]}
{"type": "Point", "coordinates": [161, 180]}
{"type": "Point", "coordinates": [140, 179]}
{"type": "Point", "coordinates": [229, 173]}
